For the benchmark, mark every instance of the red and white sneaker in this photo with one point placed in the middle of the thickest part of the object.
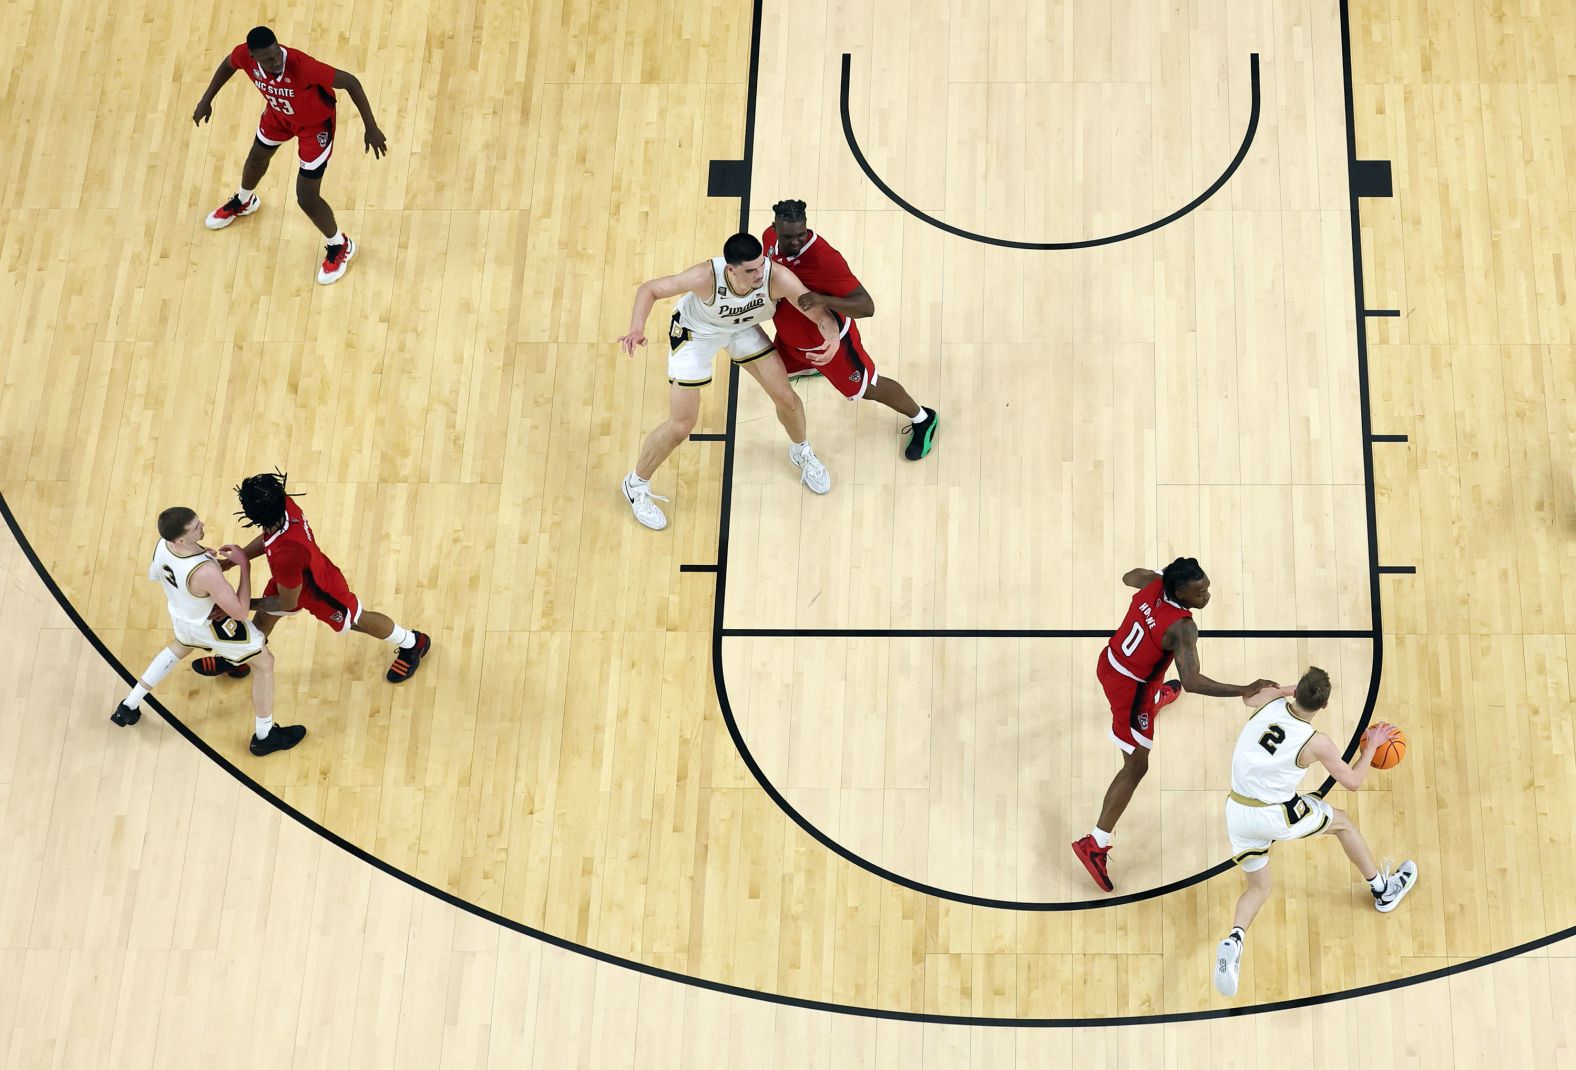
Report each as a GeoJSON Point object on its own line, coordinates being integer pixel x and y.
{"type": "Point", "coordinates": [231, 210]}
{"type": "Point", "coordinates": [1164, 695]}
{"type": "Point", "coordinates": [336, 259]}
{"type": "Point", "coordinates": [1094, 857]}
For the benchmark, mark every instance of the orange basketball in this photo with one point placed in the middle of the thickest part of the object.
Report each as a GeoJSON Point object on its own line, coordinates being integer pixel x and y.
{"type": "Point", "coordinates": [1389, 755]}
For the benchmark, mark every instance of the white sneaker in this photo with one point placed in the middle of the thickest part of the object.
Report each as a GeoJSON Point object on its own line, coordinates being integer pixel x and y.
{"type": "Point", "coordinates": [1396, 885]}
{"type": "Point", "coordinates": [230, 211]}
{"type": "Point", "coordinates": [812, 473]}
{"type": "Point", "coordinates": [644, 504]}
{"type": "Point", "coordinates": [1228, 965]}
{"type": "Point", "coordinates": [336, 258]}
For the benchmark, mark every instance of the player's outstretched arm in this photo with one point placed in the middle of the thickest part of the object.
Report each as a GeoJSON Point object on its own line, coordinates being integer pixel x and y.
{"type": "Point", "coordinates": [204, 110]}
{"type": "Point", "coordinates": [1139, 578]}
{"type": "Point", "coordinates": [1321, 748]}
{"type": "Point", "coordinates": [857, 304]}
{"type": "Point", "coordinates": [696, 280]}
{"type": "Point", "coordinates": [1182, 637]}
{"type": "Point", "coordinates": [208, 580]}
{"type": "Point", "coordinates": [1265, 695]}
{"type": "Point", "coordinates": [352, 85]}
{"type": "Point", "coordinates": [785, 286]}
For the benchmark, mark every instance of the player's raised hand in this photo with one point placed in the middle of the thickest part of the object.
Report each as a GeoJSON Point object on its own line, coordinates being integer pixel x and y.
{"type": "Point", "coordinates": [631, 340]}
{"type": "Point", "coordinates": [1259, 685]}
{"type": "Point", "coordinates": [376, 142]}
{"type": "Point", "coordinates": [811, 300]}
{"type": "Point", "coordinates": [203, 113]}
{"type": "Point", "coordinates": [232, 554]}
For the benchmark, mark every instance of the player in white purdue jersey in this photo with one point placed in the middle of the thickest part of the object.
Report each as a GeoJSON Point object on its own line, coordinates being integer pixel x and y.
{"type": "Point", "coordinates": [208, 614]}
{"type": "Point", "coordinates": [722, 303]}
{"type": "Point", "coordinates": [1274, 751]}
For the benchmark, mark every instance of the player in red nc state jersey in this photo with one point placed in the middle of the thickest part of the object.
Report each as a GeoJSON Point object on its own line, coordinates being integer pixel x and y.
{"type": "Point", "coordinates": [832, 286]}
{"type": "Point", "coordinates": [304, 578]}
{"type": "Point", "coordinates": [299, 93]}
{"type": "Point", "coordinates": [1157, 630]}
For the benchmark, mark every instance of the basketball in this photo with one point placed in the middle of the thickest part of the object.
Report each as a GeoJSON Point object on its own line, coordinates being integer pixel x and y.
{"type": "Point", "coordinates": [1389, 755]}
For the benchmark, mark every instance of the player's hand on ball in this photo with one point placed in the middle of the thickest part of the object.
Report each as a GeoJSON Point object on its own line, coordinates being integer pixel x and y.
{"type": "Point", "coordinates": [631, 340]}
{"type": "Point", "coordinates": [376, 142]}
{"type": "Point", "coordinates": [811, 300]}
{"type": "Point", "coordinates": [1378, 735]}
{"type": "Point", "coordinates": [203, 113]}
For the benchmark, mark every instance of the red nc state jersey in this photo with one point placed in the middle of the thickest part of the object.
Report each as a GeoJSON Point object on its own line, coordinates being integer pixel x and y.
{"type": "Point", "coordinates": [1135, 649]}
{"type": "Point", "coordinates": [302, 97]}
{"type": "Point", "coordinates": [823, 270]}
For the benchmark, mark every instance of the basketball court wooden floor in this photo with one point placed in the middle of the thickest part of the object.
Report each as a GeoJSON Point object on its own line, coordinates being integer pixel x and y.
{"type": "Point", "coordinates": [807, 802]}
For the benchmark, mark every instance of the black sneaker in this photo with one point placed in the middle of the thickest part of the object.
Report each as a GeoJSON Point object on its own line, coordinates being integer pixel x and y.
{"type": "Point", "coordinates": [125, 716]}
{"type": "Point", "coordinates": [279, 737]}
{"type": "Point", "coordinates": [922, 436]}
{"type": "Point", "coordinates": [407, 661]}
{"type": "Point", "coordinates": [213, 665]}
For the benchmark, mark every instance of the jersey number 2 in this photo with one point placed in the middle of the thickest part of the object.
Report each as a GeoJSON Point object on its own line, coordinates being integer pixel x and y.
{"type": "Point", "coordinates": [1273, 738]}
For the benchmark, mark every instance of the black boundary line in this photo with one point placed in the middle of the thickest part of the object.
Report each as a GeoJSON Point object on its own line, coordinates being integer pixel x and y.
{"type": "Point", "coordinates": [720, 632]}
{"type": "Point", "coordinates": [685, 979]}
{"type": "Point", "coordinates": [697, 568]}
{"type": "Point", "coordinates": [1027, 633]}
{"type": "Point", "coordinates": [748, 993]}
{"type": "Point", "coordinates": [1387, 438]}
{"type": "Point", "coordinates": [1398, 570]}
{"type": "Point", "coordinates": [1389, 313]}
{"type": "Point", "coordinates": [707, 436]}
{"type": "Point", "coordinates": [1087, 243]}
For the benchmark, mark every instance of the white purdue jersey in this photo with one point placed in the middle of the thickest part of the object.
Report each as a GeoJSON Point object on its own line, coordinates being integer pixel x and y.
{"type": "Point", "coordinates": [172, 573]}
{"type": "Point", "coordinates": [1264, 765]}
{"type": "Point", "coordinates": [727, 311]}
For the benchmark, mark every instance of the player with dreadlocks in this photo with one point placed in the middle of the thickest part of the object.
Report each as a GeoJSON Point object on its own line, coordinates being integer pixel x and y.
{"type": "Point", "coordinates": [1157, 630]}
{"type": "Point", "coordinates": [304, 578]}
{"type": "Point", "coordinates": [833, 287]}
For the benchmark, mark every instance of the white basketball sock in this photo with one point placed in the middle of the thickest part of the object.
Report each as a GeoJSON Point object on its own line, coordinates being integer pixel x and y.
{"type": "Point", "coordinates": [265, 725]}
{"type": "Point", "coordinates": [246, 196]}
{"type": "Point", "coordinates": [155, 673]}
{"type": "Point", "coordinates": [402, 638]}
{"type": "Point", "coordinates": [1377, 883]}
{"type": "Point", "coordinates": [338, 238]}
{"type": "Point", "coordinates": [1102, 838]}
{"type": "Point", "coordinates": [919, 417]}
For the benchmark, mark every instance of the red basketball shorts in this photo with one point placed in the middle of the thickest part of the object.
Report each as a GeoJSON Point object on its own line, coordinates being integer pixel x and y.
{"type": "Point", "coordinates": [850, 371]}
{"type": "Point", "coordinates": [1134, 709]}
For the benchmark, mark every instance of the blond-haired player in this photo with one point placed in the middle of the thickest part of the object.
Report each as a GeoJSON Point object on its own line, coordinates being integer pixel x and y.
{"type": "Point", "coordinates": [1274, 751]}
{"type": "Point", "coordinates": [208, 614]}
